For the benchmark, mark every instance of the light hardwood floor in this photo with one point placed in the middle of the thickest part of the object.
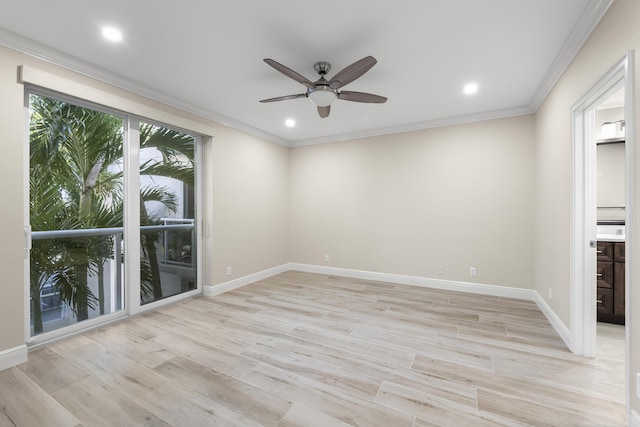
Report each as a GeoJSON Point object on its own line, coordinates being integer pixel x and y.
{"type": "Point", "coordinates": [310, 350]}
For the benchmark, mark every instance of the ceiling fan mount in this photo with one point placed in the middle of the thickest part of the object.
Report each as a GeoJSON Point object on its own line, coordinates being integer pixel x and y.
{"type": "Point", "coordinates": [323, 92]}
{"type": "Point", "coordinates": [322, 67]}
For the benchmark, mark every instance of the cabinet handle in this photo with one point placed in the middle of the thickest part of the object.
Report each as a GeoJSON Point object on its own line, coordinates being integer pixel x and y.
{"type": "Point", "coordinates": [599, 274]}
{"type": "Point", "coordinates": [598, 252]}
{"type": "Point", "coordinates": [599, 301]}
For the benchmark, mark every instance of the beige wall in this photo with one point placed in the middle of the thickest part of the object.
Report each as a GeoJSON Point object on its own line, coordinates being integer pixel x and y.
{"type": "Point", "coordinates": [459, 196]}
{"type": "Point", "coordinates": [246, 186]}
{"type": "Point", "coordinates": [12, 130]}
{"type": "Point", "coordinates": [249, 196]}
{"type": "Point", "coordinates": [617, 32]}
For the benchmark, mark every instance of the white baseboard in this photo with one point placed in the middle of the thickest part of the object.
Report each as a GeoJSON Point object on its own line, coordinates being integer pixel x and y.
{"type": "Point", "coordinates": [475, 288]}
{"type": "Point", "coordinates": [12, 357]}
{"type": "Point", "coordinates": [634, 419]}
{"type": "Point", "coordinates": [555, 321]}
{"type": "Point", "coordinates": [212, 290]}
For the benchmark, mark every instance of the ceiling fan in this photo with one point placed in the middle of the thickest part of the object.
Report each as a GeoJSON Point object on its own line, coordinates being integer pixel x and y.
{"type": "Point", "coordinates": [323, 92]}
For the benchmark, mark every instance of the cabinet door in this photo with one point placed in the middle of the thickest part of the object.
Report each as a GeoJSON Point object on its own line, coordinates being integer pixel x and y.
{"type": "Point", "coordinates": [618, 289]}
{"type": "Point", "coordinates": [604, 275]}
{"type": "Point", "coordinates": [604, 251]}
{"type": "Point", "coordinates": [605, 301]}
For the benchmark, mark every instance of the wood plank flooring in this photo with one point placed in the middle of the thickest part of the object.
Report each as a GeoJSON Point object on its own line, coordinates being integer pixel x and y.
{"type": "Point", "coordinates": [310, 350]}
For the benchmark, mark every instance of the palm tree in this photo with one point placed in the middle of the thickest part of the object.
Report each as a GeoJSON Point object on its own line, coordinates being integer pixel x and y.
{"type": "Point", "coordinates": [49, 260]}
{"type": "Point", "coordinates": [69, 147]}
{"type": "Point", "coordinates": [76, 184]}
{"type": "Point", "coordinates": [176, 149]}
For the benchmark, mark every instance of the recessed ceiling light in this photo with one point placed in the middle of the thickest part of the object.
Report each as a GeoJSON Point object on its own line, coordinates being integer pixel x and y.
{"type": "Point", "coordinates": [290, 123]}
{"type": "Point", "coordinates": [470, 88]}
{"type": "Point", "coordinates": [112, 34]}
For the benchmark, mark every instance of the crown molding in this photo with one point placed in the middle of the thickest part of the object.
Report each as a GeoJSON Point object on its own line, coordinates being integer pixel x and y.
{"type": "Point", "coordinates": [411, 127]}
{"type": "Point", "coordinates": [588, 21]}
{"type": "Point", "coordinates": [47, 54]}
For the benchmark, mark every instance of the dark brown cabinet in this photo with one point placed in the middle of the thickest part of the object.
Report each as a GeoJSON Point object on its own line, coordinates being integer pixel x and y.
{"type": "Point", "coordinates": [610, 280]}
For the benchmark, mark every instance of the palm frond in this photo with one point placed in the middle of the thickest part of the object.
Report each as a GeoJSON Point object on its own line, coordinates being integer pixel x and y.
{"type": "Point", "coordinates": [179, 172]}
{"type": "Point", "coordinates": [163, 195]}
{"type": "Point", "coordinates": [171, 143]}
{"type": "Point", "coordinates": [66, 282]}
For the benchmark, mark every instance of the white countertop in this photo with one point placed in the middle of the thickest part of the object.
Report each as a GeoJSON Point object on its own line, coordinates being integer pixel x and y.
{"type": "Point", "coordinates": [610, 238]}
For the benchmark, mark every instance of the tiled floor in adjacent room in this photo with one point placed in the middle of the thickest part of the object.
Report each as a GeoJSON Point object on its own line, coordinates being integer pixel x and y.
{"type": "Point", "coordinates": [611, 352]}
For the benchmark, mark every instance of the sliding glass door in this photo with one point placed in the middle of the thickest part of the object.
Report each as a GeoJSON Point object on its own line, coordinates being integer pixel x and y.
{"type": "Point", "coordinates": [167, 213]}
{"type": "Point", "coordinates": [75, 186]}
{"type": "Point", "coordinates": [82, 186]}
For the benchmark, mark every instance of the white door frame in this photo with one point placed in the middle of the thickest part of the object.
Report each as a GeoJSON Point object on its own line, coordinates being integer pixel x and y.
{"type": "Point", "coordinates": [584, 220]}
{"type": "Point", "coordinates": [583, 227]}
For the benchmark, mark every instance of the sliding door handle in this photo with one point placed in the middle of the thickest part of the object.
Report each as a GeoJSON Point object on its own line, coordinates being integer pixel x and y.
{"type": "Point", "coordinates": [27, 237]}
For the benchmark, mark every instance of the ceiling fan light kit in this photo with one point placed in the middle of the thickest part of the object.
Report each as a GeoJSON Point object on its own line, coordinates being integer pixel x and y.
{"type": "Point", "coordinates": [323, 92]}
{"type": "Point", "coordinates": [322, 96]}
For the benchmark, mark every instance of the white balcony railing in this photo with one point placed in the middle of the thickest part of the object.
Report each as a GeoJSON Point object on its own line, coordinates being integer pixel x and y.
{"type": "Point", "coordinates": [175, 252]}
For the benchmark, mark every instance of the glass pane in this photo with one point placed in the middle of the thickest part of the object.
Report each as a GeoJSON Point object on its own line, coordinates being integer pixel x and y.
{"type": "Point", "coordinates": [167, 217]}
{"type": "Point", "coordinates": [75, 186]}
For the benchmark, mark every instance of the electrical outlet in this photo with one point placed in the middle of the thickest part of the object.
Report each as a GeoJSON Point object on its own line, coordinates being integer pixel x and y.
{"type": "Point", "coordinates": [441, 270]}
{"type": "Point", "coordinates": [472, 271]}
{"type": "Point", "coordinates": [228, 271]}
{"type": "Point", "coordinates": [638, 385]}
{"type": "Point", "coordinates": [550, 294]}
{"type": "Point", "coordinates": [326, 258]}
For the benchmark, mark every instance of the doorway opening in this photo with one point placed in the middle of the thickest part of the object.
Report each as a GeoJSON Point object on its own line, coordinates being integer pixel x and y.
{"type": "Point", "coordinates": [600, 236]}
{"type": "Point", "coordinates": [611, 236]}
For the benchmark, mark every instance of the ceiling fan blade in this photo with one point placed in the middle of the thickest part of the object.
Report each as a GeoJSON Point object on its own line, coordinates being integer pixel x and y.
{"type": "Point", "coordinates": [284, 98]}
{"type": "Point", "coordinates": [324, 111]}
{"type": "Point", "coordinates": [352, 72]}
{"type": "Point", "coordinates": [289, 72]}
{"type": "Point", "coordinates": [361, 97]}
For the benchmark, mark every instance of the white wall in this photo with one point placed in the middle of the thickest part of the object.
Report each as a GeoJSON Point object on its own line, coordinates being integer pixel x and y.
{"type": "Point", "coordinates": [610, 166]}
{"type": "Point", "coordinates": [458, 196]}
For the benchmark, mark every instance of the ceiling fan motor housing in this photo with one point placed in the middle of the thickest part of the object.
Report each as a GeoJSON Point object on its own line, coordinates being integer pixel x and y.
{"type": "Point", "coordinates": [321, 94]}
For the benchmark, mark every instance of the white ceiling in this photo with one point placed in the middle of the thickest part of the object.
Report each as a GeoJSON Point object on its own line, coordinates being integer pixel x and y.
{"type": "Point", "coordinates": [206, 56]}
